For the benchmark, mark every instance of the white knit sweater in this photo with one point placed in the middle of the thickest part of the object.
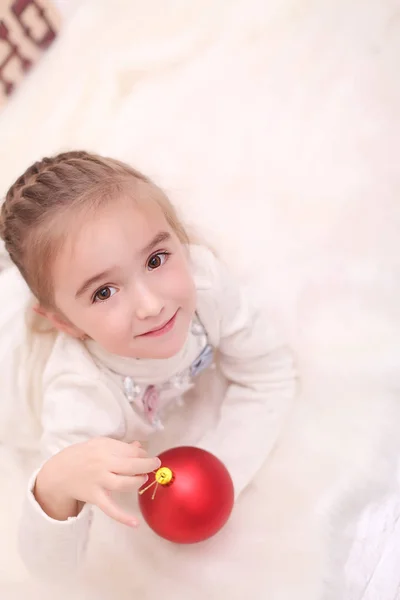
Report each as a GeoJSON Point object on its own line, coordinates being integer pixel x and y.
{"type": "Point", "coordinates": [71, 391]}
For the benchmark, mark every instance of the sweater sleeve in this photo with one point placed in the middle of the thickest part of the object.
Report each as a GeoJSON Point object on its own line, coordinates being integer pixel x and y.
{"type": "Point", "coordinates": [262, 382]}
{"type": "Point", "coordinates": [74, 410]}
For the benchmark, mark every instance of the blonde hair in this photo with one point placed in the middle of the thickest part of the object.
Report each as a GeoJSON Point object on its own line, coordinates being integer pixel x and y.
{"type": "Point", "coordinates": [34, 216]}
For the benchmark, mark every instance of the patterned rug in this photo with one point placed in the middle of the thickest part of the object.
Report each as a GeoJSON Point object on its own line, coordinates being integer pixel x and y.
{"type": "Point", "coordinates": [27, 29]}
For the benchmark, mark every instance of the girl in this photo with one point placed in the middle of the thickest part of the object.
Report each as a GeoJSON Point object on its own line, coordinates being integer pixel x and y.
{"type": "Point", "coordinates": [127, 316]}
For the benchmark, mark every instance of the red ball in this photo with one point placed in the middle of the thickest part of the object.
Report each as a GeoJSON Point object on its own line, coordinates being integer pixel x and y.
{"type": "Point", "coordinates": [195, 504]}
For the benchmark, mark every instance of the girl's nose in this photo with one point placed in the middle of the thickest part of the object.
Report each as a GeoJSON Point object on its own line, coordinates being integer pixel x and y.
{"type": "Point", "coordinates": [148, 303]}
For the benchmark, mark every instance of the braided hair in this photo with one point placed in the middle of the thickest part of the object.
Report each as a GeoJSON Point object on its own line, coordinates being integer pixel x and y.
{"type": "Point", "coordinates": [35, 217]}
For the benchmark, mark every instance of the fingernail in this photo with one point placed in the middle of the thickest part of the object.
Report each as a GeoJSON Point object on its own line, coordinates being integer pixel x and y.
{"type": "Point", "coordinates": [134, 523]}
{"type": "Point", "coordinates": [146, 478]}
{"type": "Point", "coordinates": [158, 462]}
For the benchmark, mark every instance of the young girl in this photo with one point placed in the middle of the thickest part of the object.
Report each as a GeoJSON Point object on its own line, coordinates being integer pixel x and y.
{"type": "Point", "coordinates": [122, 317]}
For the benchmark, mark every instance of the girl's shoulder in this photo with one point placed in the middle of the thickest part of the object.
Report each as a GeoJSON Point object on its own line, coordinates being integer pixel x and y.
{"type": "Point", "coordinates": [210, 273]}
{"type": "Point", "coordinates": [69, 357]}
{"type": "Point", "coordinates": [215, 287]}
{"type": "Point", "coordinates": [205, 266]}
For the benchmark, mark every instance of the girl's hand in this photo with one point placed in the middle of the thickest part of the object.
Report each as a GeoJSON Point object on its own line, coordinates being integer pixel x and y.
{"type": "Point", "coordinates": [87, 473]}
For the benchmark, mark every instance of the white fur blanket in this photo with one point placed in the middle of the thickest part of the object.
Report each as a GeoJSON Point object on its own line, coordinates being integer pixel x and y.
{"type": "Point", "coordinates": [274, 126]}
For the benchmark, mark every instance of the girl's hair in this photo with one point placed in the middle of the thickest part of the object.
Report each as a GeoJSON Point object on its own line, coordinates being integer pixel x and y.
{"type": "Point", "coordinates": [38, 209]}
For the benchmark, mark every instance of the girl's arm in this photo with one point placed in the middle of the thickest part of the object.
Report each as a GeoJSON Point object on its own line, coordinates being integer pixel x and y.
{"type": "Point", "coordinates": [55, 525]}
{"type": "Point", "coordinates": [262, 382]}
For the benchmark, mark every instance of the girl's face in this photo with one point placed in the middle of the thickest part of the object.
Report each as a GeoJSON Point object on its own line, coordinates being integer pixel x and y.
{"type": "Point", "coordinates": [124, 281]}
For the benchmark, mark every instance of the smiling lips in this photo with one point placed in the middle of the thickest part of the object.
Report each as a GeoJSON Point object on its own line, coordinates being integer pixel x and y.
{"type": "Point", "coordinates": [161, 330]}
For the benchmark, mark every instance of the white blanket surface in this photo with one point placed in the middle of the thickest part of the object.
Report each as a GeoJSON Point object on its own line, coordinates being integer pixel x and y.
{"type": "Point", "coordinates": [274, 126]}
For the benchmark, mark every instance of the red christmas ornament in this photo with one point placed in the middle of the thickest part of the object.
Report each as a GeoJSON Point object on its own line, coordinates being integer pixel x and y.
{"type": "Point", "coordinates": [189, 498]}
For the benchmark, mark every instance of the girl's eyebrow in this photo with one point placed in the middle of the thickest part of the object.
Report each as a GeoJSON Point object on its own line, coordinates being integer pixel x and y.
{"type": "Point", "coordinates": [162, 236]}
{"type": "Point", "coordinates": [95, 279]}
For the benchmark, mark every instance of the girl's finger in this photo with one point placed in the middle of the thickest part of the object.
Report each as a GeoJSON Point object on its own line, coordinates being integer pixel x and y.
{"type": "Point", "coordinates": [124, 483]}
{"type": "Point", "coordinates": [135, 465]}
{"type": "Point", "coordinates": [112, 510]}
{"type": "Point", "coordinates": [127, 466]}
{"type": "Point", "coordinates": [147, 465]}
{"type": "Point", "coordinates": [133, 450]}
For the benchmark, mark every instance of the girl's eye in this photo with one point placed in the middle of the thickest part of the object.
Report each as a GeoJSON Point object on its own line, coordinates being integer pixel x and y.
{"type": "Point", "coordinates": [104, 293]}
{"type": "Point", "coordinates": [157, 260]}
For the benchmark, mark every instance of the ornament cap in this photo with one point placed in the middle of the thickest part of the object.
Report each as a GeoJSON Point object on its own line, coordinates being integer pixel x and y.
{"type": "Point", "coordinates": [164, 476]}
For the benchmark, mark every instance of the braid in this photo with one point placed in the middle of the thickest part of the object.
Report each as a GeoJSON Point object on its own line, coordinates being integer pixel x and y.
{"type": "Point", "coordinates": [32, 214]}
{"type": "Point", "coordinates": [28, 198]}
{"type": "Point", "coordinates": [23, 188]}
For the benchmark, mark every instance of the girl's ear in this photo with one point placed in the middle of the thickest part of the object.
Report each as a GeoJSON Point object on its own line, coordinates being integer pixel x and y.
{"type": "Point", "coordinates": [59, 322]}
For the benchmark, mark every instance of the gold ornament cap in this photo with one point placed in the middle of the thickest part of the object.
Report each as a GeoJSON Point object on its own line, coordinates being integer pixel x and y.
{"type": "Point", "coordinates": [164, 476]}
